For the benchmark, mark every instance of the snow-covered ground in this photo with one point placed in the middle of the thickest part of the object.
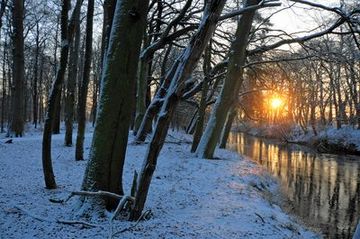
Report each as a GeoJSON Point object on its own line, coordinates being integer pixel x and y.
{"type": "Point", "coordinates": [189, 197]}
{"type": "Point", "coordinates": [346, 136]}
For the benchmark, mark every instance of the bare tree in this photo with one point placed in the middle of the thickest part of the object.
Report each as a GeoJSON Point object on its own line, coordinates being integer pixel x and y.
{"type": "Point", "coordinates": [231, 85]}
{"type": "Point", "coordinates": [79, 153]}
{"type": "Point", "coordinates": [55, 95]}
{"type": "Point", "coordinates": [108, 148]}
{"type": "Point", "coordinates": [183, 68]}
{"type": "Point", "coordinates": [17, 118]}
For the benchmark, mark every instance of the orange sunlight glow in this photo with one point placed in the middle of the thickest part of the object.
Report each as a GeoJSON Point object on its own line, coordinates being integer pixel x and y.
{"type": "Point", "coordinates": [276, 102]}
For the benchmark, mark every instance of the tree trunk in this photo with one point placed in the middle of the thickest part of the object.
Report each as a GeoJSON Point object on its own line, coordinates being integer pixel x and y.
{"type": "Point", "coordinates": [55, 128]}
{"type": "Point", "coordinates": [41, 95]}
{"type": "Point", "coordinates": [54, 97]}
{"type": "Point", "coordinates": [95, 98]}
{"type": "Point", "coordinates": [71, 81]}
{"type": "Point", "coordinates": [203, 104]}
{"type": "Point", "coordinates": [4, 94]}
{"type": "Point", "coordinates": [35, 83]}
{"type": "Point", "coordinates": [142, 88]}
{"type": "Point", "coordinates": [105, 166]}
{"type": "Point", "coordinates": [226, 131]}
{"type": "Point", "coordinates": [79, 151]}
{"type": "Point", "coordinates": [57, 116]}
{"type": "Point", "coordinates": [186, 63]}
{"type": "Point", "coordinates": [109, 8]}
{"type": "Point", "coordinates": [17, 119]}
{"type": "Point", "coordinates": [231, 85]}
{"type": "Point", "coordinates": [155, 106]}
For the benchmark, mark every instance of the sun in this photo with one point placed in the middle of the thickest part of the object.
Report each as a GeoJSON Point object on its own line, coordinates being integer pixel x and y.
{"type": "Point", "coordinates": [276, 102]}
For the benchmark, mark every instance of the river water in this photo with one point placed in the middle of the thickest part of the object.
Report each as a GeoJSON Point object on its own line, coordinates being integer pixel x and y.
{"type": "Point", "coordinates": [322, 189]}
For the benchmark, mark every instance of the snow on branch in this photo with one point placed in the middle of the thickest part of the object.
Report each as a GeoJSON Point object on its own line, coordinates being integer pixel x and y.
{"type": "Point", "coordinates": [98, 193]}
{"type": "Point", "coordinates": [302, 39]}
{"type": "Point", "coordinates": [345, 17]}
{"type": "Point", "coordinates": [262, 4]}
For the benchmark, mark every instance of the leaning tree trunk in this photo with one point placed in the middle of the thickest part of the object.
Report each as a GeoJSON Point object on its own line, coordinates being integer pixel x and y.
{"type": "Point", "coordinates": [79, 151]}
{"type": "Point", "coordinates": [203, 104]}
{"type": "Point", "coordinates": [17, 111]}
{"type": "Point", "coordinates": [54, 97]}
{"type": "Point", "coordinates": [185, 65]}
{"type": "Point", "coordinates": [155, 106]}
{"type": "Point", "coordinates": [106, 160]}
{"type": "Point", "coordinates": [231, 85]}
{"type": "Point", "coordinates": [227, 128]}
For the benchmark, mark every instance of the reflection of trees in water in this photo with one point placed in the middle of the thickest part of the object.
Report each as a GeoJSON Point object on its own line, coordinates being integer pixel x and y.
{"type": "Point", "coordinates": [321, 189]}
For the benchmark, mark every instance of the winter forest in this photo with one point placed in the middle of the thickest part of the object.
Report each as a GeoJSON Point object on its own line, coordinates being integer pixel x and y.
{"type": "Point", "coordinates": [179, 119]}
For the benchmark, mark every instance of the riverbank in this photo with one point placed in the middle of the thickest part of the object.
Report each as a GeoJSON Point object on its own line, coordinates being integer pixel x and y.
{"type": "Point", "coordinates": [345, 140]}
{"type": "Point", "coordinates": [189, 197]}
{"type": "Point", "coordinates": [330, 140]}
{"type": "Point", "coordinates": [321, 189]}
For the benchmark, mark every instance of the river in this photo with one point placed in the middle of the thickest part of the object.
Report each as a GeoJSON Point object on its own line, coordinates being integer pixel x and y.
{"type": "Point", "coordinates": [321, 189]}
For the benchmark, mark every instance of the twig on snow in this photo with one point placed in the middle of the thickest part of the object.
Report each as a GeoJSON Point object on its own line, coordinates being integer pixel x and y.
{"type": "Point", "coordinates": [262, 219]}
{"type": "Point", "coordinates": [43, 219]}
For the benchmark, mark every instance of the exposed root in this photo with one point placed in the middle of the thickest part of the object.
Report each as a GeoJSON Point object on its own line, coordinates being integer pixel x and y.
{"type": "Point", "coordinates": [144, 215]}
{"type": "Point", "coordinates": [119, 208]}
{"type": "Point", "coordinates": [124, 200]}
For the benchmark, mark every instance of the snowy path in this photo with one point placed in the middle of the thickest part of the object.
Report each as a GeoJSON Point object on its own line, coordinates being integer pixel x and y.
{"type": "Point", "coordinates": [189, 197]}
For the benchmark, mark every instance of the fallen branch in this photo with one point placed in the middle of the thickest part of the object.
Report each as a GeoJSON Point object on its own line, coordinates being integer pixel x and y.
{"type": "Point", "coordinates": [88, 193]}
{"type": "Point", "coordinates": [43, 219]}
{"type": "Point", "coordinates": [77, 222]}
{"type": "Point", "coordinates": [166, 142]}
{"type": "Point", "coordinates": [98, 193]}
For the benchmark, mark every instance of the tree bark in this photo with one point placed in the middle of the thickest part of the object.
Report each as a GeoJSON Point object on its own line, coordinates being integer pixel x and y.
{"type": "Point", "coordinates": [105, 166]}
{"type": "Point", "coordinates": [54, 97]}
{"type": "Point", "coordinates": [155, 106]}
{"type": "Point", "coordinates": [203, 104]}
{"type": "Point", "coordinates": [79, 151]}
{"type": "Point", "coordinates": [4, 94]}
{"type": "Point", "coordinates": [227, 128]}
{"type": "Point", "coordinates": [231, 85]}
{"type": "Point", "coordinates": [109, 8]}
{"type": "Point", "coordinates": [185, 65]}
{"type": "Point", "coordinates": [72, 78]}
{"type": "Point", "coordinates": [35, 83]}
{"type": "Point", "coordinates": [142, 86]}
{"type": "Point", "coordinates": [17, 119]}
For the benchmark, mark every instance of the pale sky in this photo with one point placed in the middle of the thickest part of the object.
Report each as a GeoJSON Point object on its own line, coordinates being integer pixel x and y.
{"type": "Point", "coordinates": [301, 17]}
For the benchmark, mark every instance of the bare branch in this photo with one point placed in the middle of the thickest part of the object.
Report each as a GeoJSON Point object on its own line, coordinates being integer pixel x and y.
{"type": "Point", "coordinates": [249, 9]}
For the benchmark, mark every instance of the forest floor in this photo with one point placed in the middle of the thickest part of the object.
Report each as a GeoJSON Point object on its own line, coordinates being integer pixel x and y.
{"type": "Point", "coordinates": [189, 197]}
